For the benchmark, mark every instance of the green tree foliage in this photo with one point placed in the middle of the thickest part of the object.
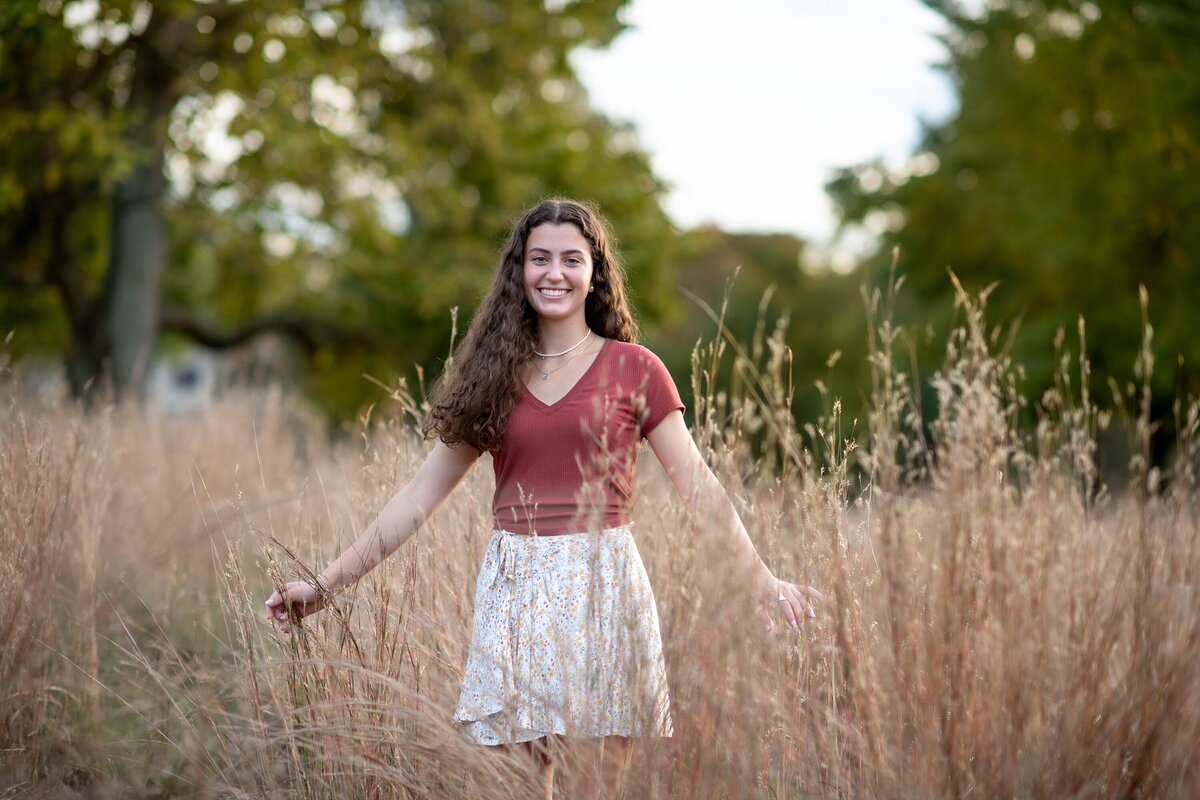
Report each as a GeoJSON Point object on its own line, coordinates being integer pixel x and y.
{"type": "Point", "coordinates": [340, 171]}
{"type": "Point", "coordinates": [1068, 176]}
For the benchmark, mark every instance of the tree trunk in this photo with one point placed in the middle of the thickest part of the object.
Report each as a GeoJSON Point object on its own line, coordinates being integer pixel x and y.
{"type": "Point", "coordinates": [85, 360]}
{"type": "Point", "coordinates": [113, 336]}
{"type": "Point", "coordinates": [89, 337]}
{"type": "Point", "coordinates": [127, 316]}
{"type": "Point", "coordinates": [131, 297]}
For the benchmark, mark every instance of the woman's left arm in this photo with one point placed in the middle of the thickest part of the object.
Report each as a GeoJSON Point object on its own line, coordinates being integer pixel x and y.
{"type": "Point", "coordinates": [697, 486]}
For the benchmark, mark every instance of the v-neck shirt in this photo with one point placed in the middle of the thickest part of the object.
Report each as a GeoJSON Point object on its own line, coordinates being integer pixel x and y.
{"type": "Point", "coordinates": [570, 466]}
{"type": "Point", "coordinates": [543, 404]}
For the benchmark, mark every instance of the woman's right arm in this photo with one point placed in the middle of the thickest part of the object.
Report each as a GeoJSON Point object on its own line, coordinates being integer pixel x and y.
{"type": "Point", "coordinates": [443, 470]}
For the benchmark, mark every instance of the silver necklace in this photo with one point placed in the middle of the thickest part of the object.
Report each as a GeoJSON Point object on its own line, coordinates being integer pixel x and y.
{"type": "Point", "coordinates": [546, 374]}
{"type": "Point", "coordinates": [564, 352]}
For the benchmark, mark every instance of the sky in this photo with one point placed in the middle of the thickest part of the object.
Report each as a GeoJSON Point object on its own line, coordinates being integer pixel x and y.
{"type": "Point", "coordinates": [746, 108]}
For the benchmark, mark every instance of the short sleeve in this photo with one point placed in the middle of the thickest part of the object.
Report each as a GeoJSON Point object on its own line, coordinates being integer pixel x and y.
{"type": "Point", "coordinates": [659, 392]}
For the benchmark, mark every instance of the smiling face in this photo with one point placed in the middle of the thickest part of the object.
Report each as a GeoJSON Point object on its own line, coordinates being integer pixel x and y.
{"type": "Point", "coordinates": [558, 271]}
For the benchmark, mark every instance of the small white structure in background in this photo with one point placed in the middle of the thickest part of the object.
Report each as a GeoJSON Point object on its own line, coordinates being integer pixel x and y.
{"type": "Point", "coordinates": [184, 384]}
{"type": "Point", "coordinates": [190, 380]}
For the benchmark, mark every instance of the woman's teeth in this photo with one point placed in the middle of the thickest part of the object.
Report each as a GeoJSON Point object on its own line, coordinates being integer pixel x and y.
{"type": "Point", "coordinates": [553, 292]}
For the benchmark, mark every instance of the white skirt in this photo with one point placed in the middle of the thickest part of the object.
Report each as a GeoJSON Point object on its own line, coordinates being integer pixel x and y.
{"type": "Point", "coordinates": [566, 641]}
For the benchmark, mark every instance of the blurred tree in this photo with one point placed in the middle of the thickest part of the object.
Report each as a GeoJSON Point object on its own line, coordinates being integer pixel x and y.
{"type": "Point", "coordinates": [338, 171]}
{"type": "Point", "coordinates": [761, 280]}
{"type": "Point", "coordinates": [1068, 174]}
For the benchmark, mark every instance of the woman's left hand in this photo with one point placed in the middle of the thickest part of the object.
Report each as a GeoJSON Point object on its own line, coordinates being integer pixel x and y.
{"type": "Point", "coordinates": [794, 601]}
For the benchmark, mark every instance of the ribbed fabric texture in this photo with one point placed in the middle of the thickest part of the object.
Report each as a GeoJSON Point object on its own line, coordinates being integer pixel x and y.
{"type": "Point", "coordinates": [571, 466]}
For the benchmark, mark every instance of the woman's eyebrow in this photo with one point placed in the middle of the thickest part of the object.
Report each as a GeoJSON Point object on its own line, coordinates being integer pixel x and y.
{"type": "Point", "coordinates": [564, 252]}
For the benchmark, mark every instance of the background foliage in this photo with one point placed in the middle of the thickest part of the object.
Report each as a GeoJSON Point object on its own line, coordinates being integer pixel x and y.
{"type": "Point", "coordinates": [343, 173]}
{"type": "Point", "coordinates": [1068, 176]}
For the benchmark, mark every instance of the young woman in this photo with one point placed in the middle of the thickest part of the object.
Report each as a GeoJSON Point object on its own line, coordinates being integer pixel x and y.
{"type": "Point", "coordinates": [550, 380]}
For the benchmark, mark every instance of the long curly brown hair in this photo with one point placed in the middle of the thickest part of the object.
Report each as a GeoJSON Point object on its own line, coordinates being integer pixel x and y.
{"type": "Point", "coordinates": [474, 396]}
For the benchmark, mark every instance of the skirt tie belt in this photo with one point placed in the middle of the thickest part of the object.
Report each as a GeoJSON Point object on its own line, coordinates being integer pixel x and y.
{"type": "Point", "coordinates": [508, 558]}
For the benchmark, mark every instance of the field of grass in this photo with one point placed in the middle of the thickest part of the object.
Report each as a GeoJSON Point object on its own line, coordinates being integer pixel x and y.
{"type": "Point", "coordinates": [997, 622]}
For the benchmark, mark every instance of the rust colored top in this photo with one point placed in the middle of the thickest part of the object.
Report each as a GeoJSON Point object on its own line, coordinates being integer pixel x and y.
{"type": "Point", "coordinates": [571, 466]}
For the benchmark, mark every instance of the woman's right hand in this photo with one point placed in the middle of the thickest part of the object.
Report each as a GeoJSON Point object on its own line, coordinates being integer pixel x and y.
{"type": "Point", "coordinates": [293, 603]}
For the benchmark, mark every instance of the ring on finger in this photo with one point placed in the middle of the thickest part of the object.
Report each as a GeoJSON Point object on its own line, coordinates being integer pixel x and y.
{"type": "Point", "coordinates": [781, 599]}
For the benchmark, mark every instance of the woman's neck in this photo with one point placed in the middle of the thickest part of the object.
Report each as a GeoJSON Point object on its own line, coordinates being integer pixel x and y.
{"type": "Point", "coordinates": [558, 335]}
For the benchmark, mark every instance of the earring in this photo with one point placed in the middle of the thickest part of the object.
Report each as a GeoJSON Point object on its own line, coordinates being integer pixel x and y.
{"type": "Point", "coordinates": [592, 288]}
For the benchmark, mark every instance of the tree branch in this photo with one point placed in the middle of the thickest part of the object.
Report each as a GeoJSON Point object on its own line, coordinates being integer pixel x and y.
{"type": "Point", "coordinates": [309, 332]}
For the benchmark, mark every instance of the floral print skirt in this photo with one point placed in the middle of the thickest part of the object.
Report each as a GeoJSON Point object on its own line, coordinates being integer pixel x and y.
{"type": "Point", "coordinates": [566, 641]}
